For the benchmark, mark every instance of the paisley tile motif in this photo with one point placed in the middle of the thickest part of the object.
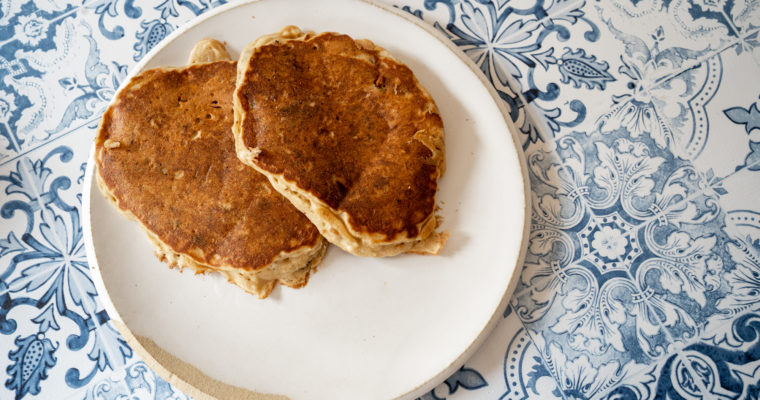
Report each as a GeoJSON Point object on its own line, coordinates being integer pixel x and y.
{"type": "Point", "coordinates": [641, 126]}
{"type": "Point", "coordinates": [725, 365]}
{"type": "Point", "coordinates": [46, 277]}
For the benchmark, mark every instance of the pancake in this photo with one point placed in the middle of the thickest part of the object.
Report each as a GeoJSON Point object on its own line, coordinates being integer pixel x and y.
{"type": "Point", "coordinates": [165, 157]}
{"type": "Point", "coordinates": [347, 134]}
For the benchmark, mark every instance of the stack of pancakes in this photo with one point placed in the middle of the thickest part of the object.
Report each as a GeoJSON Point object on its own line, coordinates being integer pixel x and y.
{"type": "Point", "coordinates": [246, 168]}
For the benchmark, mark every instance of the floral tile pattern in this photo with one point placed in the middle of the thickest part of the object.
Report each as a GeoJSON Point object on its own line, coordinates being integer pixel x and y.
{"type": "Point", "coordinates": [640, 121]}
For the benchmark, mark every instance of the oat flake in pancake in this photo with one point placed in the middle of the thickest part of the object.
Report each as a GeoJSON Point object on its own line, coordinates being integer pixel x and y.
{"type": "Point", "coordinates": [346, 133]}
{"type": "Point", "coordinates": [165, 157]}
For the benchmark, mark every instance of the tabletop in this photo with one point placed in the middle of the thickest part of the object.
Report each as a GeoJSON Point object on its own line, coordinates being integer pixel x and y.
{"type": "Point", "coordinates": [640, 123]}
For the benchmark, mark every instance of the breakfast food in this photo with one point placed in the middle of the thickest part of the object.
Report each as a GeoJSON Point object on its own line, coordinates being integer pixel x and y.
{"type": "Point", "coordinates": [347, 134]}
{"type": "Point", "coordinates": [165, 157]}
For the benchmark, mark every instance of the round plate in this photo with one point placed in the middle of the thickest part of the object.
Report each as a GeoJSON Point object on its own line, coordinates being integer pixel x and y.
{"type": "Point", "coordinates": [372, 328]}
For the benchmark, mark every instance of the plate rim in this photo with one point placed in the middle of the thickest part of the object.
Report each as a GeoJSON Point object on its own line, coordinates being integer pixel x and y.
{"type": "Point", "coordinates": [156, 362]}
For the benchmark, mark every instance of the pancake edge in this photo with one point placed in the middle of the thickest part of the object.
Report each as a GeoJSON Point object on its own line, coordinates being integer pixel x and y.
{"type": "Point", "coordinates": [334, 224]}
{"type": "Point", "coordinates": [291, 269]}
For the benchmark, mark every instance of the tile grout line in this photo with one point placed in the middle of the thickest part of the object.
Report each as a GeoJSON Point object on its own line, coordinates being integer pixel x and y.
{"type": "Point", "coordinates": [529, 112]}
{"type": "Point", "coordinates": [63, 15]}
{"type": "Point", "coordinates": [730, 21]}
{"type": "Point", "coordinates": [665, 330]}
{"type": "Point", "coordinates": [54, 19]}
{"type": "Point", "coordinates": [661, 80]}
{"type": "Point", "coordinates": [518, 93]}
{"type": "Point", "coordinates": [97, 116]}
{"type": "Point", "coordinates": [514, 85]}
{"type": "Point", "coordinates": [523, 106]}
{"type": "Point", "coordinates": [511, 79]}
{"type": "Point", "coordinates": [68, 265]}
{"type": "Point", "coordinates": [671, 340]}
{"type": "Point", "coordinates": [735, 172]}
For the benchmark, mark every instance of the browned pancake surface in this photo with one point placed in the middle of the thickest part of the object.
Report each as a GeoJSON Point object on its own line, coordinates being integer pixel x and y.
{"type": "Point", "coordinates": [166, 153]}
{"type": "Point", "coordinates": [339, 120]}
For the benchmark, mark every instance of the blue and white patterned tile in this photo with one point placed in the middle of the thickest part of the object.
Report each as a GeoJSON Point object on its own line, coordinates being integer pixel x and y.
{"type": "Point", "coordinates": [728, 262]}
{"type": "Point", "coordinates": [691, 29]}
{"type": "Point", "coordinates": [507, 366]}
{"type": "Point", "coordinates": [159, 20]}
{"type": "Point", "coordinates": [135, 382]}
{"type": "Point", "coordinates": [638, 387]}
{"type": "Point", "coordinates": [638, 255]}
{"type": "Point", "coordinates": [685, 374]}
{"type": "Point", "coordinates": [603, 345]}
{"type": "Point", "coordinates": [701, 370]}
{"type": "Point", "coordinates": [56, 332]}
{"type": "Point", "coordinates": [564, 69]}
{"type": "Point", "coordinates": [86, 49]}
{"type": "Point", "coordinates": [612, 75]}
{"type": "Point", "coordinates": [731, 116]}
{"type": "Point", "coordinates": [564, 81]}
{"type": "Point", "coordinates": [743, 226]}
{"type": "Point", "coordinates": [40, 39]}
{"type": "Point", "coordinates": [525, 373]}
{"type": "Point", "coordinates": [724, 361]}
{"type": "Point", "coordinates": [578, 289]}
{"type": "Point", "coordinates": [742, 274]}
{"type": "Point", "coordinates": [580, 377]}
{"type": "Point", "coordinates": [724, 364]}
{"type": "Point", "coordinates": [555, 207]}
{"type": "Point", "coordinates": [607, 74]}
{"type": "Point", "coordinates": [633, 254]}
{"type": "Point", "coordinates": [681, 276]}
{"type": "Point", "coordinates": [743, 278]}
{"type": "Point", "coordinates": [504, 40]}
{"type": "Point", "coordinates": [558, 210]}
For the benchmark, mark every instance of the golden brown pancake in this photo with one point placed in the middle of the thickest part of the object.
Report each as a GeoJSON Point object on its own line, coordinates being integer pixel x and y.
{"type": "Point", "coordinates": [165, 156]}
{"type": "Point", "coordinates": [347, 134]}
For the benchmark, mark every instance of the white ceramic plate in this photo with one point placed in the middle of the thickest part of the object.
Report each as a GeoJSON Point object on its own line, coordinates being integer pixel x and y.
{"type": "Point", "coordinates": [362, 328]}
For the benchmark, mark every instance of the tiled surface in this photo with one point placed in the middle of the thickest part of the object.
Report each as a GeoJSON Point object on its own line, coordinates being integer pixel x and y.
{"type": "Point", "coordinates": [641, 125]}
